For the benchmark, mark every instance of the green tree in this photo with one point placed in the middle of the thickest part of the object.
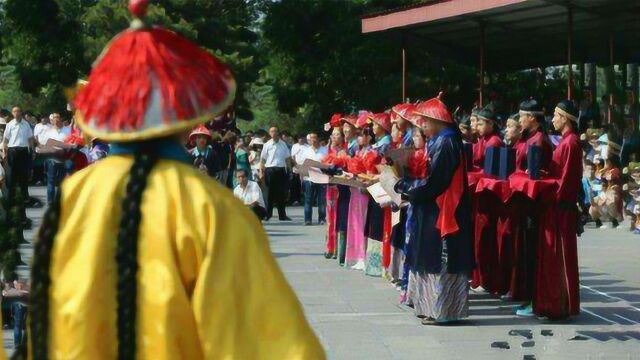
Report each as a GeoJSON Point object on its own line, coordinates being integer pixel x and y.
{"type": "Point", "coordinates": [41, 42]}
{"type": "Point", "coordinates": [319, 62]}
{"type": "Point", "coordinates": [54, 42]}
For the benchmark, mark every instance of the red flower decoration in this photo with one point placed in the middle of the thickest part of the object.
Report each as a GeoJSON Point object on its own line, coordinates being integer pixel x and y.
{"type": "Point", "coordinates": [418, 164]}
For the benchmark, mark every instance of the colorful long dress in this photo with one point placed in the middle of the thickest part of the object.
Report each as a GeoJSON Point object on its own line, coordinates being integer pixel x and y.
{"type": "Point", "coordinates": [376, 215]}
{"type": "Point", "coordinates": [358, 203]}
{"type": "Point", "coordinates": [332, 193]}
{"type": "Point", "coordinates": [342, 221]}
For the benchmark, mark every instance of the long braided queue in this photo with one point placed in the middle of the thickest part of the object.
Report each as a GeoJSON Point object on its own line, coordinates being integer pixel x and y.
{"type": "Point", "coordinates": [127, 255]}
{"type": "Point", "coordinates": [40, 280]}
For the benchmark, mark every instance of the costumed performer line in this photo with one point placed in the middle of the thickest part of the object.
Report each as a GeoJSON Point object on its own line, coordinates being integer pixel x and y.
{"type": "Point", "coordinates": [143, 257]}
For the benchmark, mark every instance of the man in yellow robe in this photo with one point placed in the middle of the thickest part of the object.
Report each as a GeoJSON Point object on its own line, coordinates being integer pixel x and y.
{"type": "Point", "coordinates": [143, 257]}
{"type": "Point", "coordinates": [208, 286]}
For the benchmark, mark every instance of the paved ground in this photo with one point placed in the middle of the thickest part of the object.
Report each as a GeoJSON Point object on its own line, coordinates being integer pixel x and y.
{"type": "Point", "coordinates": [357, 317]}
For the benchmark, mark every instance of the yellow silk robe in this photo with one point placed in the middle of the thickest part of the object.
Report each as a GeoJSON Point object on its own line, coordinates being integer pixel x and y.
{"type": "Point", "coordinates": [208, 286]}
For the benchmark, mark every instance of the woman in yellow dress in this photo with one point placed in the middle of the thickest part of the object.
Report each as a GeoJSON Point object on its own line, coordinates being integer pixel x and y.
{"type": "Point", "coordinates": [143, 257]}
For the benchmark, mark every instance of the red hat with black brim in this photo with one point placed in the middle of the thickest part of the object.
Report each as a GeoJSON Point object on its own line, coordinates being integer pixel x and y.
{"type": "Point", "coordinates": [435, 109]}
{"type": "Point", "coordinates": [151, 82]}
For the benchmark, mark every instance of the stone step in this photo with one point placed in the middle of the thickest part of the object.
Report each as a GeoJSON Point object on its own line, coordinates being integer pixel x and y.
{"type": "Point", "coordinates": [26, 252]}
{"type": "Point", "coordinates": [24, 272]}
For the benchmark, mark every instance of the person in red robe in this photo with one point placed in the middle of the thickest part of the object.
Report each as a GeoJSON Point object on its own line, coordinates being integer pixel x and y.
{"type": "Point", "coordinates": [525, 228]}
{"type": "Point", "coordinates": [486, 275]}
{"type": "Point", "coordinates": [488, 136]}
{"type": "Point", "coordinates": [531, 118]}
{"type": "Point", "coordinates": [557, 287]}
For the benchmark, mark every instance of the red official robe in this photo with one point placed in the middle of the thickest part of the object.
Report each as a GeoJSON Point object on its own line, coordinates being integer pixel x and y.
{"type": "Point", "coordinates": [484, 211]}
{"type": "Point", "coordinates": [523, 221]}
{"type": "Point", "coordinates": [537, 138]}
{"type": "Point", "coordinates": [557, 292]}
{"type": "Point", "coordinates": [481, 146]}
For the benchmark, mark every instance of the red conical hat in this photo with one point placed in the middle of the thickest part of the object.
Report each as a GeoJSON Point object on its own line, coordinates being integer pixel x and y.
{"type": "Point", "coordinates": [382, 119]}
{"type": "Point", "coordinates": [435, 109]}
{"type": "Point", "coordinates": [150, 82]}
{"type": "Point", "coordinates": [364, 117]}
{"type": "Point", "coordinates": [404, 111]}
{"type": "Point", "coordinates": [351, 119]}
{"type": "Point", "coordinates": [200, 130]}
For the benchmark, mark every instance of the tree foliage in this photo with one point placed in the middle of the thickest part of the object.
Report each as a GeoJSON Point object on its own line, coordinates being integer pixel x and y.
{"type": "Point", "coordinates": [296, 61]}
{"type": "Point", "coordinates": [51, 43]}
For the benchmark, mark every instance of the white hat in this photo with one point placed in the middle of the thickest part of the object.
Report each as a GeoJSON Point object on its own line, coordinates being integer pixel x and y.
{"type": "Point", "coordinates": [256, 141]}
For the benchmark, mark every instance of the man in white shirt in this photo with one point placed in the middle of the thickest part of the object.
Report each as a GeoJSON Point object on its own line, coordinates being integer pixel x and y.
{"type": "Point", "coordinates": [314, 192]}
{"type": "Point", "coordinates": [54, 166]}
{"type": "Point", "coordinates": [276, 157]}
{"type": "Point", "coordinates": [250, 194]}
{"type": "Point", "coordinates": [41, 128]}
{"type": "Point", "coordinates": [298, 156]}
{"type": "Point", "coordinates": [17, 142]}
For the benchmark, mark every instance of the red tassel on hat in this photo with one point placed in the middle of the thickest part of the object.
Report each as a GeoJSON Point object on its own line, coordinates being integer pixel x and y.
{"type": "Point", "coordinates": [151, 82]}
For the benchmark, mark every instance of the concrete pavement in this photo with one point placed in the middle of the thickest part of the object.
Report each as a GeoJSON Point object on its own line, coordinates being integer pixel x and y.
{"type": "Point", "coordinates": [358, 317]}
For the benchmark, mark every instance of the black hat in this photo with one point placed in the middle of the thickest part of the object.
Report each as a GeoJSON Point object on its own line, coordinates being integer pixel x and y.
{"type": "Point", "coordinates": [466, 120]}
{"type": "Point", "coordinates": [531, 106]}
{"type": "Point", "coordinates": [515, 117]}
{"type": "Point", "coordinates": [486, 114]}
{"type": "Point", "coordinates": [568, 109]}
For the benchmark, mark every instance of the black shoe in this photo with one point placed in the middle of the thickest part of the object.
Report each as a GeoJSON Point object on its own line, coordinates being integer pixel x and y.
{"type": "Point", "coordinates": [598, 223]}
{"type": "Point", "coordinates": [267, 218]}
{"type": "Point", "coordinates": [286, 218]}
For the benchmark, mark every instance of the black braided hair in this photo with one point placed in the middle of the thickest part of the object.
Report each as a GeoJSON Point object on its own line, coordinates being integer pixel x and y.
{"type": "Point", "coordinates": [127, 255]}
{"type": "Point", "coordinates": [126, 259]}
{"type": "Point", "coordinates": [40, 282]}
